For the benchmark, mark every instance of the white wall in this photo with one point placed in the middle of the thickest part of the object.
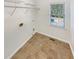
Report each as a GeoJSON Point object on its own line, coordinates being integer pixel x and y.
{"type": "Point", "coordinates": [15, 36]}
{"type": "Point", "coordinates": [43, 24]}
{"type": "Point", "coordinates": [72, 22]}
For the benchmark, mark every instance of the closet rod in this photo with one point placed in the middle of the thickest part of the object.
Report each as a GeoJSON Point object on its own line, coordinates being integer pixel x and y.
{"type": "Point", "coordinates": [21, 7]}
{"type": "Point", "coordinates": [20, 2]}
{"type": "Point", "coordinates": [12, 2]}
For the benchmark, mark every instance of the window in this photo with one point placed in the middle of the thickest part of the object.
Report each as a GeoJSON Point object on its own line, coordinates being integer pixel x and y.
{"type": "Point", "coordinates": [57, 15]}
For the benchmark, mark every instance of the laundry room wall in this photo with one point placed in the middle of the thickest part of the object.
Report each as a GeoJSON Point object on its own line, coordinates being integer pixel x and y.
{"type": "Point", "coordinates": [72, 22]}
{"type": "Point", "coordinates": [18, 24]}
{"type": "Point", "coordinates": [33, 19]}
{"type": "Point", "coordinates": [43, 24]}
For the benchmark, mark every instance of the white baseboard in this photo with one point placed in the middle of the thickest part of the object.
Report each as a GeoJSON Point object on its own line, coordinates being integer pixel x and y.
{"type": "Point", "coordinates": [60, 40]}
{"type": "Point", "coordinates": [20, 46]}
{"type": "Point", "coordinates": [40, 33]}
